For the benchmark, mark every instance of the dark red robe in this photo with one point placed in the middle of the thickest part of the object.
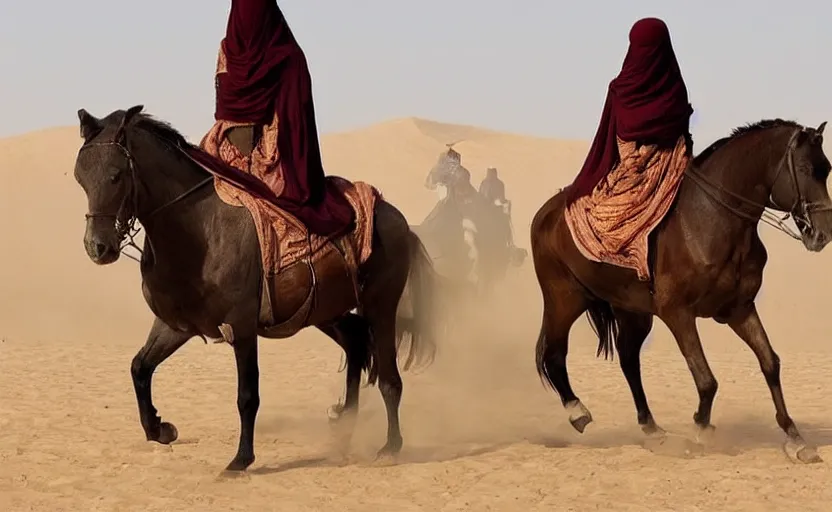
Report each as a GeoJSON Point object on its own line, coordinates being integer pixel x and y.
{"type": "Point", "coordinates": [267, 74]}
{"type": "Point", "coordinates": [647, 103]}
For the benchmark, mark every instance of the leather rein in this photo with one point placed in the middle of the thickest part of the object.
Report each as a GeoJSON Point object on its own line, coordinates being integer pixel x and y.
{"type": "Point", "coordinates": [799, 211]}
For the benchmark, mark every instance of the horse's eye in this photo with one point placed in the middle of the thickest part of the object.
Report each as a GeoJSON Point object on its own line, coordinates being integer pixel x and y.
{"type": "Point", "coordinates": [115, 178]}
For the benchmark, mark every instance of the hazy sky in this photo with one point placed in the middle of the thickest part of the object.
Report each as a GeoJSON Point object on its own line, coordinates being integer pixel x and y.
{"type": "Point", "coordinates": [531, 66]}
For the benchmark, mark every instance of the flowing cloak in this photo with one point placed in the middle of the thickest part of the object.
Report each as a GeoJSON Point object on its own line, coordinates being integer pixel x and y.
{"type": "Point", "coordinates": [646, 103]}
{"type": "Point", "coordinates": [493, 189]}
{"type": "Point", "coordinates": [267, 75]}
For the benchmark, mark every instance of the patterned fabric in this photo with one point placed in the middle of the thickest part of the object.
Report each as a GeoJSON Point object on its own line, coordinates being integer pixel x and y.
{"type": "Point", "coordinates": [612, 224]}
{"type": "Point", "coordinates": [264, 161]}
{"type": "Point", "coordinates": [283, 238]}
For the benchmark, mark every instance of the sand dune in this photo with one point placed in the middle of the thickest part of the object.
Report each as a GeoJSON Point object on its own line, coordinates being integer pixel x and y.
{"type": "Point", "coordinates": [480, 431]}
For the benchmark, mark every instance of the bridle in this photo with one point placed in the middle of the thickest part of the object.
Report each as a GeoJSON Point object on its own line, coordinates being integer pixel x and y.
{"type": "Point", "coordinates": [128, 211]}
{"type": "Point", "coordinates": [800, 210]}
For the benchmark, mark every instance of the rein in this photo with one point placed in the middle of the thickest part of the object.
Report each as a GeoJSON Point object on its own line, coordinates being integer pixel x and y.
{"type": "Point", "coordinates": [128, 211]}
{"type": "Point", "coordinates": [799, 210]}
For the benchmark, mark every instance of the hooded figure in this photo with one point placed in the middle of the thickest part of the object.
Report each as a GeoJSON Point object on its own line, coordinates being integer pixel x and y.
{"type": "Point", "coordinates": [646, 103]}
{"type": "Point", "coordinates": [492, 187]}
{"type": "Point", "coordinates": [266, 118]}
{"type": "Point", "coordinates": [639, 155]}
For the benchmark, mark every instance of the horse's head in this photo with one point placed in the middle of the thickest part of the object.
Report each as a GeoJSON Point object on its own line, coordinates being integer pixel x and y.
{"type": "Point", "coordinates": [105, 170]}
{"type": "Point", "coordinates": [449, 176]}
{"type": "Point", "coordinates": [800, 187]}
{"type": "Point", "coordinates": [448, 172]}
{"type": "Point", "coordinates": [440, 174]}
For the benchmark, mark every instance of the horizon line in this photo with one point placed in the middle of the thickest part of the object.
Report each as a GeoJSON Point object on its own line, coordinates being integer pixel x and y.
{"type": "Point", "coordinates": [389, 121]}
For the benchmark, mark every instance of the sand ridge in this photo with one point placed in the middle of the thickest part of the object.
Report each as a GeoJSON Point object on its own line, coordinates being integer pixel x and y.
{"type": "Point", "coordinates": [481, 432]}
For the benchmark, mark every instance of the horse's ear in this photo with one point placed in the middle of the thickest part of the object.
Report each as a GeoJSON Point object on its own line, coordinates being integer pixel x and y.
{"type": "Point", "coordinates": [132, 111]}
{"type": "Point", "coordinates": [820, 128]}
{"type": "Point", "coordinates": [90, 125]}
{"type": "Point", "coordinates": [128, 116]}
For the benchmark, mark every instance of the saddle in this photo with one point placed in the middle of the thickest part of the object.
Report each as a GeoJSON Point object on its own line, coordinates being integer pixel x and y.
{"type": "Point", "coordinates": [289, 298]}
{"type": "Point", "coordinates": [299, 267]}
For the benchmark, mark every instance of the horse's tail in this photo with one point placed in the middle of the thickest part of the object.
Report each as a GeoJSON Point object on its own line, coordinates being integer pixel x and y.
{"type": "Point", "coordinates": [420, 329]}
{"type": "Point", "coordinates": [540, 355]}
{"type": "Point", "coordinates": [603, 322]}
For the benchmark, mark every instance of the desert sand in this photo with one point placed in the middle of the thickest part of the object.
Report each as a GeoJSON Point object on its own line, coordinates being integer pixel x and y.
{"type": "Point", "coordinates": [481, 432]}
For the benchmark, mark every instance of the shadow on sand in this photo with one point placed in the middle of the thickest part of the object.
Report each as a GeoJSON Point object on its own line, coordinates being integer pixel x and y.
{"type": "Point", "coordinates": [416, 455]}
{"type": "Point", "coordinates": [730, 438]}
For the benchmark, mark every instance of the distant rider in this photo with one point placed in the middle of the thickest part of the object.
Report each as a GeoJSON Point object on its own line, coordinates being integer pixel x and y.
{"type": "Point", "coordinates": [493, 190]}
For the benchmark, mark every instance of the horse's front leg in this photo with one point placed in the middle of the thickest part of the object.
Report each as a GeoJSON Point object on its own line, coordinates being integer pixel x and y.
{"type": "Point", "coordinates": [749, 327]}
{"type": "Point", "coordinates": [683, 326]}
{"type": "Point", "coordinates": [162, 342]}
{"type": "Point", "coordinates": [248, 399]}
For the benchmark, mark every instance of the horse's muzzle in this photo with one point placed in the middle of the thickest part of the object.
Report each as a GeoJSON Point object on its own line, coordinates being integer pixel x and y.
{"type": "Point", "coordinates": [816, 241]}
{"type": "Point", "coordinates": [101, 248]}
{"type": "Point", "coordinates": [101, 253]}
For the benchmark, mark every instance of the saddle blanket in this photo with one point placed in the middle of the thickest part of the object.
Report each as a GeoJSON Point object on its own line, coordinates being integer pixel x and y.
{"type": "Point", "coordinates": [612, 224]}
{"type": "Point", "coordinates": [284, 240]}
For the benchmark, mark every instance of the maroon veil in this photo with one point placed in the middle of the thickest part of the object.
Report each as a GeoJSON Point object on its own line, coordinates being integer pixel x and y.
{"type": "Point", "coordinates": [266, 74]}
{"type": "Point", "coordinates": [647, 102]}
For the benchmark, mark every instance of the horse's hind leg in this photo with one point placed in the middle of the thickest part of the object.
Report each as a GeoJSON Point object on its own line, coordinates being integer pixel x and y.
{"type": "Point", "coordinates": [162, 342]}
{"type": "Point", "coordinates": [749, 327]}
{"type": "Point", "coordinates": [382, 321]}
{"type": "Point", "coordinates": [562, 305]}
{"type": "Point", "coordinates": [379, 300]}
{"type": "Point", "coordinates": [633, 329]}
{"type": "Point", "coordinates": [352, 334]}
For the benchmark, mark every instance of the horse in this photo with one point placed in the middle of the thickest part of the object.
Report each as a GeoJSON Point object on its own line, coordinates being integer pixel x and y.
{"type": "Point", "coordinates": [467, 229]}
{"type": "Point", "coordinates": [707, 261]}
{"type": "Point", "coordinates": [202, 274]}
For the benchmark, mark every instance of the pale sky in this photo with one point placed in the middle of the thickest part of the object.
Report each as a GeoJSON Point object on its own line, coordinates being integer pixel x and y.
{"type": "Point", "coordinates": [538, 67]}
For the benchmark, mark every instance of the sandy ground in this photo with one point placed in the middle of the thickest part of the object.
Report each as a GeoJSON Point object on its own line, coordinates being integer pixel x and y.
{"type": "Point", "coordinates": [481, 432]}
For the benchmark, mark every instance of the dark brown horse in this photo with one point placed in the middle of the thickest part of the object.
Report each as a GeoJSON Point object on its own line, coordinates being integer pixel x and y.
{"type": "Point", "coordinates": [202, 274]}
{"type": "Point", "coordinates": [707, 262]}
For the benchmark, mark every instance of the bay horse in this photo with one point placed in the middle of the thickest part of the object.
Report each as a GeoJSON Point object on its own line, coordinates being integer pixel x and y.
{"type": "Point", "coordinates": [707, 262]}
{"type": "Point", "coordinates": [201, 269]}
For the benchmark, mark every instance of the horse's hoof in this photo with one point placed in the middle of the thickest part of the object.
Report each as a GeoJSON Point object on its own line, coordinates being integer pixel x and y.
{"type": "Point", "coordinates": [580, 423]}
{"type": "Point", "coordinates": [239, 463]}
{"type": "Point", "coordinates": [706, 434]}
{"type": "Point", "coordinates": [335, 411]}
{"type": "Point", "coordinates": [384, 460]}
{"type": "Point", "coordinates": [653, 430]}
{"type": "Point", "coordinates": [800, 453]}
{"type": "Point", "coordinates": [387, 456]}
{"type": "Point", "coordinates": [391, 449]}
{"type": "Point", "coordinates": [579, 416]}
{"type": "Point", "coordinates": [167, 433]}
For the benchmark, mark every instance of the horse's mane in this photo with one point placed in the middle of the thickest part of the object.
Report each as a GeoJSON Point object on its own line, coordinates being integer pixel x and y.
{"type": "Point", "coordinates": [163, 130]}
{"type": "Point", "coordinates": [764, 124]}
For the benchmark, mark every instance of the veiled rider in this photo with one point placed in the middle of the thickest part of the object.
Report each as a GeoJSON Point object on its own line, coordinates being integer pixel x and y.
{"type": "Point", "coordinates": [265, 116]}
{"type": "Point", "coordinates": [493, 190]}
{"type": "Point", "coordinates": [638, 157]}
